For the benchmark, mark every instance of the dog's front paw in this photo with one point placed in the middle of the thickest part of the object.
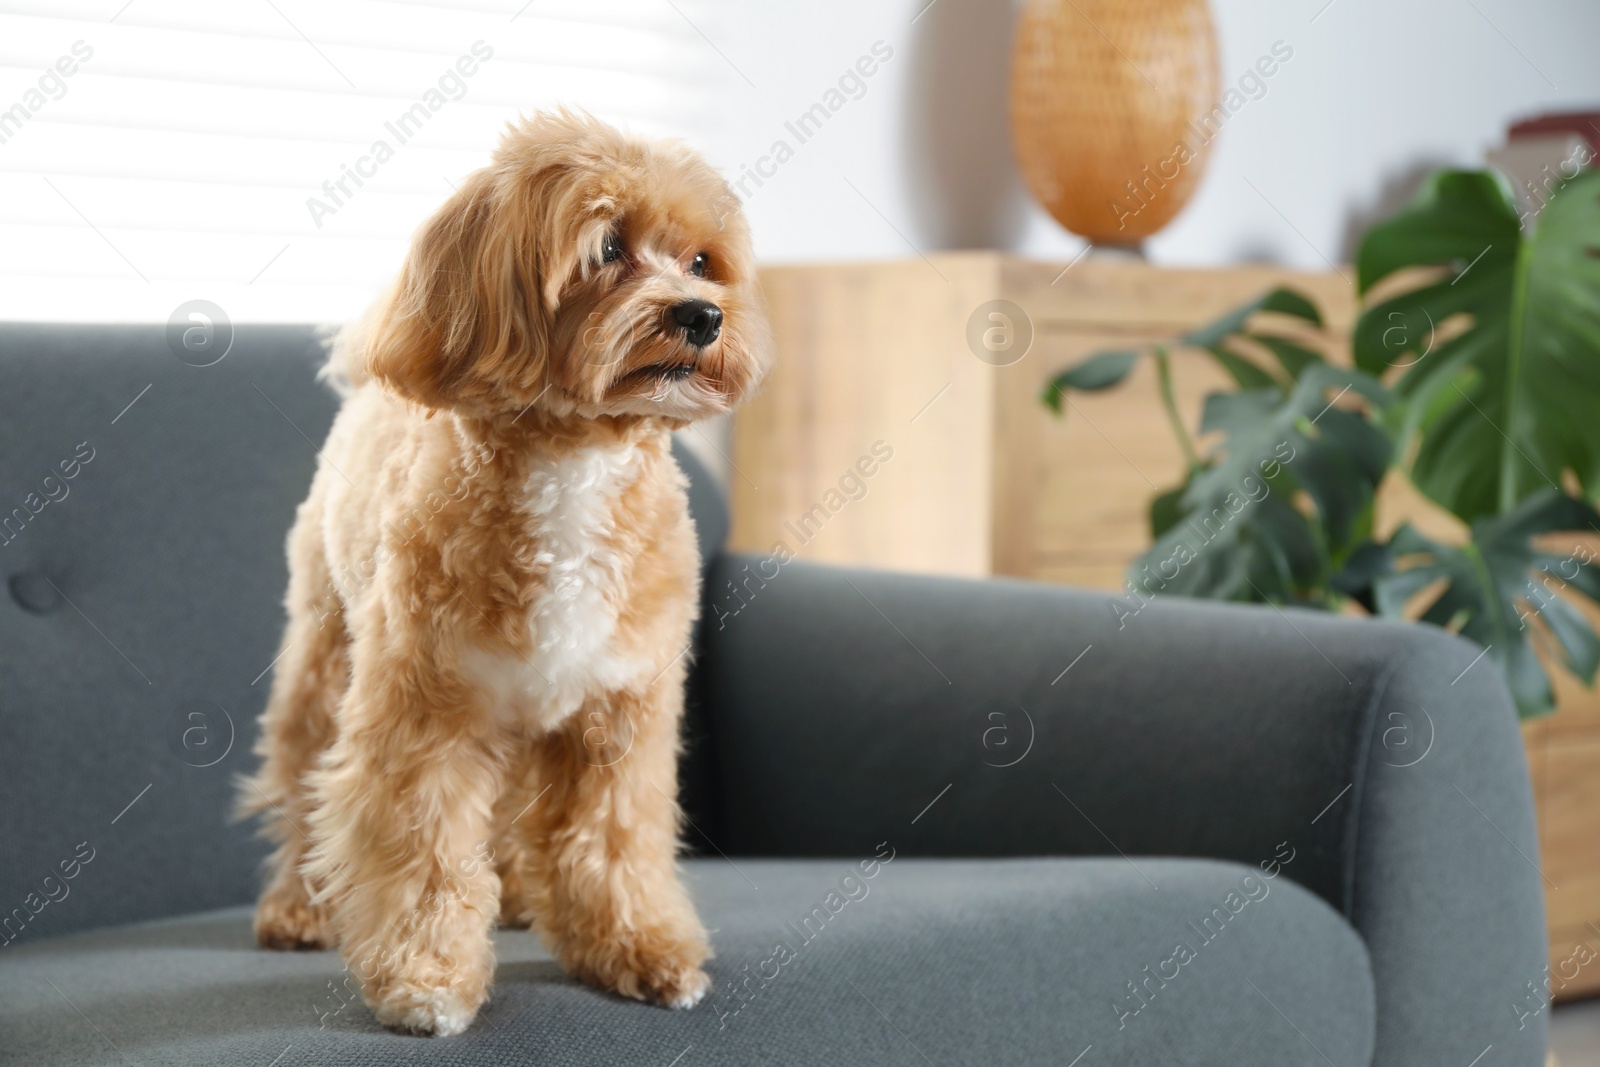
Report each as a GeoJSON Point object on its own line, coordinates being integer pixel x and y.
{"type": "Point", "coordinates": [654, 967]}
{"type": "Point", "coordinates": [681, 989]}
{"type": "Point", "coordinates": [287, 921]}
{"type": "Point", "coordinates": [428, 1012]}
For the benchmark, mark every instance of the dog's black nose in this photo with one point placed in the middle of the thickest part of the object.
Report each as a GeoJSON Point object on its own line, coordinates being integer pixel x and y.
{"type": "Point", "coordinates": [700, 320]}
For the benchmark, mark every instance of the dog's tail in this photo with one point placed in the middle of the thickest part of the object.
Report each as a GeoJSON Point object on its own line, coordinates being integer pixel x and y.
{"type": "Point", "coordinates": [346, 368]}
{"type": "Point", "coordinates": [342, 371]}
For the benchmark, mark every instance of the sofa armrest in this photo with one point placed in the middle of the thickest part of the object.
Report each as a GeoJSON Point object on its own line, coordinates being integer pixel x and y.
{"type": "Point", "coordinates": [987, 718]}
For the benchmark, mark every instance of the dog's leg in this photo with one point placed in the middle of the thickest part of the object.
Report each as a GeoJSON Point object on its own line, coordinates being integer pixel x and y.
{"type": "Point", "coordinates": [510, 856]}
{"type": "Point", "coordinates": [309, 679]}
{"type": "Point", "coordinates": [402, 828]}
{"type": "Point", "coordinates": [601, 850]}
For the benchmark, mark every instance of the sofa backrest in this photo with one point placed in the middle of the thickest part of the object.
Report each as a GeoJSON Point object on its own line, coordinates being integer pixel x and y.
{"type": "Point", "coordinates": [144, 502]}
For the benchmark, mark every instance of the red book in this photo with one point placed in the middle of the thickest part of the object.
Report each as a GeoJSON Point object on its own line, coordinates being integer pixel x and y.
{"type": "Point", "coordinates": [1585, 124]}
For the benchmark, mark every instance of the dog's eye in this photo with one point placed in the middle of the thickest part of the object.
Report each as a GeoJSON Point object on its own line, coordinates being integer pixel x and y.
{"type": "Point", "coordinates": [698, 266]}
{"type": "Point", "coordinates": [610, 249]}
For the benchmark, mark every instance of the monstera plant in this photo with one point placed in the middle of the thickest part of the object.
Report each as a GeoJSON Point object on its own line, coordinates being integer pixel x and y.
{"type": "Point", "coordinates": [1476, 374]}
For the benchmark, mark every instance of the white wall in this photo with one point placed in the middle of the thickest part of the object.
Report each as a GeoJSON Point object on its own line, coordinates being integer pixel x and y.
{"type": "Point", "coordinates": [1377, 92]}
{"type": "Point", "coordinates": [178, 163]}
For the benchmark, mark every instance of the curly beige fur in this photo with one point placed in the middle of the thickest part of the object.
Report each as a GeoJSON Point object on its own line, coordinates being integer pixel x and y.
{"type": "Point", "coordinates": [493, 582]}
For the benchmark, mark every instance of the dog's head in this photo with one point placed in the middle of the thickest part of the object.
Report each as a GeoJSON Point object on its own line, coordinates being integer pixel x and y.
{"type": "Point", "coordinates": [582, 273]}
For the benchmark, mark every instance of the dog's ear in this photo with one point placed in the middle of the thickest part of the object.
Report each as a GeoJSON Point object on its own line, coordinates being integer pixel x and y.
{"type": "Point", "coordinates": [465, 309]}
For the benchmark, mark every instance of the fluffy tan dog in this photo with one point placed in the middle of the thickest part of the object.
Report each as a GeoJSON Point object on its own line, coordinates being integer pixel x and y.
{"type": "Point", "coordinates": [492, 585]}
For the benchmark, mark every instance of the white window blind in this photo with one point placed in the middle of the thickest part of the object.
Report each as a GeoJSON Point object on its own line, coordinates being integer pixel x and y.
{"type": "Point", "coordinates": [274, 156]}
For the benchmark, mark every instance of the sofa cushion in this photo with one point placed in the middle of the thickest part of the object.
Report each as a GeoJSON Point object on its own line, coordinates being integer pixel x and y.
{"type": "Point", "coordinates": [937, 961]}
{"type": "Point", "coordinates": [144, 502]}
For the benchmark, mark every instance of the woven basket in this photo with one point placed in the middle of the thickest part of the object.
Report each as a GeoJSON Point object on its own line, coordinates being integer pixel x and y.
{"type": "Point", "coordinates": [1106, 102]}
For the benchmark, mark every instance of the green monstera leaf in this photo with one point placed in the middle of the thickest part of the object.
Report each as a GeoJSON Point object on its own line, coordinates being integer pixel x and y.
{"type": "Point", "coordinates": [1488, 340]}
{"type": "Point", "coordinates": [1292, 358]}
{"type": "Point", "coordinates": [1498, 359]}
{"type": "Point", "coordinates": [1500, 590]}
{"type": "Point", "coordinates": [1236, 529]}
{"type": "Point", "coordinates": [1106, 369]}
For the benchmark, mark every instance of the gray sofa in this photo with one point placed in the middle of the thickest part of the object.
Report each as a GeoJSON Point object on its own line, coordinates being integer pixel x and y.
{"type": "Point", "coordinates": [933, 821]}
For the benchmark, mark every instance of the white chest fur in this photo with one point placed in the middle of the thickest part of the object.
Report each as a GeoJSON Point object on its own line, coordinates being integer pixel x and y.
{"type": "Point", "coordinates": [569, 506]}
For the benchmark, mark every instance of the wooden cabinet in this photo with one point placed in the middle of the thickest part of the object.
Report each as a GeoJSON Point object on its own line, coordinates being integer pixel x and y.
{"type": "Point", "coordinates": [907, 360]}
{"type": "Point", "coordinates": [1564, 756]}
{"type": "Point", "coordinates": [983, 480]}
